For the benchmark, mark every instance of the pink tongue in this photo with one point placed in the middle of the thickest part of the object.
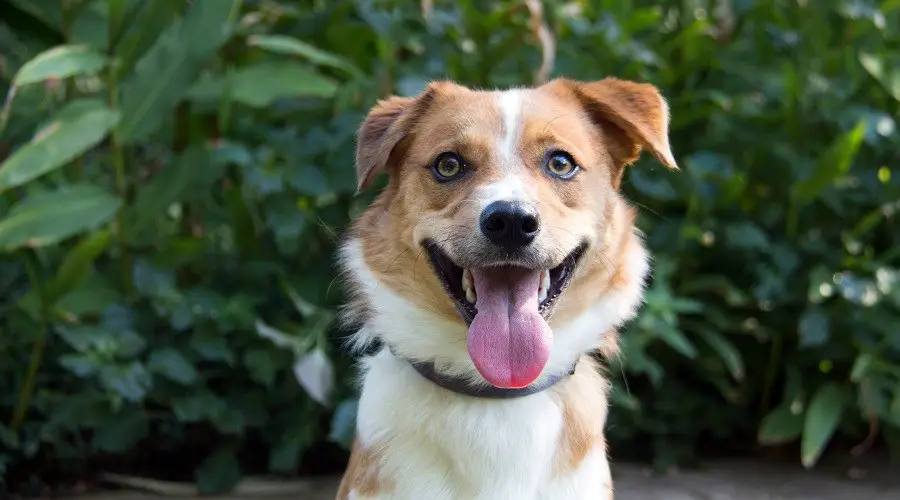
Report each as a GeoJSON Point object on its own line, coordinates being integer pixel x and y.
{"type": "Point", "coordinates": [509, 341]}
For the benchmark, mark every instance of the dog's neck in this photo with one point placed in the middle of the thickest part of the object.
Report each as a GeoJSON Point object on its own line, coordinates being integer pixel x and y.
{"type": "Point", "coordinates": [464, 387]}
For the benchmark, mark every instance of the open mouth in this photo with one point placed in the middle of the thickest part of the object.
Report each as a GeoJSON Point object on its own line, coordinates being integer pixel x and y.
{"type": "Point", "coordinates": [506, 309]}
{"type": "Point", "coordinates": [459, 282]}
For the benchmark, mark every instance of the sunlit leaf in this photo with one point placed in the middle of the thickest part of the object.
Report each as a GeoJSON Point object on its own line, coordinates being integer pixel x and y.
{"type": "Point", "coordinates": [282, 44]}
{"type": "Point", "coordinates": [60, 62]}
{"type": "Point", "coordinates": [262, 84]}
{"type": "Point", "coordinates": [172, 365]}
{"type": "Point", "coordinates": [782, 425]}
{"type": "Point", "coordinates": [76, 266]}
{"type": "Point", "coordinates": [316, 374]}
{"type": "Point", "coordinates": [832, 164]}
{"type": "Point", "coordinates": [46, 218]}
{"type": "Point", "coordinates": [822, 417]}
{"type": "Point", "coordinates": [79, 126]}
{"type": "Point", "coordinates": [726, 351]}
{"type": "Point", "coordinates": [885, 73]}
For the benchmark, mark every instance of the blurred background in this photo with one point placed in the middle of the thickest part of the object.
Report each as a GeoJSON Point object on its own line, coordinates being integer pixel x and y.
{"type": "Point", "coordinates": [176, 174]}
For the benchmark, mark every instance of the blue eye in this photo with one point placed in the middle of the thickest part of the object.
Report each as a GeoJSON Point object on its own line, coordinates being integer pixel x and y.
{"type": "Point", "coordinates": [448, 166]}
{"type": "Point", "coordinates": [560, 164]}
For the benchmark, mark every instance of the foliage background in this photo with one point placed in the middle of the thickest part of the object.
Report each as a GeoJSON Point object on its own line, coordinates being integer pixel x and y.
{"type": "Point", "coordinates": [176, 174]}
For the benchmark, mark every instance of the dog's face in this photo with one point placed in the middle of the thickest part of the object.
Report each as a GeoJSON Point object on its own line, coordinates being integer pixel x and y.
{"type": "Point", "coordinates": [495, 200]}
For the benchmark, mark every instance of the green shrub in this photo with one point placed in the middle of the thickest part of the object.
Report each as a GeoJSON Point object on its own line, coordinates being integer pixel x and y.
{"type": "Point", "coordinates": [175, 176]}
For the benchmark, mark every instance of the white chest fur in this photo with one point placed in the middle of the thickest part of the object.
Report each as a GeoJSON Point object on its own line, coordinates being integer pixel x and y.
{"type": "Point", "coordinates": [440, 446]}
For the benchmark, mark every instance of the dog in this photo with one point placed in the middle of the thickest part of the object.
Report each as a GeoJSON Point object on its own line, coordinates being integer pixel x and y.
{"type": "Point", "coordinates": [498, 258]}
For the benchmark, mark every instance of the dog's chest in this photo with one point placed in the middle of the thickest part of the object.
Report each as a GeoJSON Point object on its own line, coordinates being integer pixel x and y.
{"type": "Point", "coordinates": [437, 447]}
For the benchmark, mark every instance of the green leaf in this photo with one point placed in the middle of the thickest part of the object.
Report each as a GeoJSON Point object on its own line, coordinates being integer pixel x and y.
{"type": "Point", "coordinates": [130, 381]}
{"type": "Point", "coordinates": [212, 346]}
{"type": "Point", "coordinates": [780, 426]}
{"type": "Point", "coordinates": [79, 364]}
{"type": "Point", "coordinates": [120, 432]}
{"type": "Point", "coordinates": [832, 164]}
{"type": "Point", "coordinates": [47, 11]}
{"type": "Point", "coordinates": [281, 44]}
{"type": "Point", "coordinates": [746, 235]}
{"type": "Point", "coordinates": [343, 423]}
{"type": "Point", "coordinates": [200, 405]}
{"type": "Point", "coordinates": [93, 339]}
{"type": "Point", "coordinates": [60, 62]}
{"type": "Point", "coordinates": [726, 350]}
{"type": "Point", "coordinates": [218, 473]}
{"type": "Point", "coordinates": [677, 341]}
{"type": "Point", "coordinates": [79, 126]}
{"type": "Point", "coordinates": [813, 327]}
{"type": "Point", "coordinates": [138, 37]}
{"type": "Point", "coordinates": [171, 364]}
{"type": "Point", "coordinates": [46, 218]}
{"type": "Point", "coordinates": [822, 418]}
{"type": "Point", "coordinates": [260, 366]}
{"type": "Point", "coordinates": [189, 173]}
{"type": "Point", "coordinates": [888, 77]}
{"type": "Point", "coordinates": [91, 298]}
{"type": "Point", "coordinates": [282, 339]}
{"type": "Point", "coordinates": [77, 265]}
{"type": "Point", "coordinates": [263, 83]}
{"type": "Point", "coordinates": [164, 75]}
{"type": "Point", "coordinates": [861, 367]}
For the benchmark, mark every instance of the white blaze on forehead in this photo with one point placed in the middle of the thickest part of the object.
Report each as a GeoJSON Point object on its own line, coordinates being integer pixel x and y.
{"type": "Point", "coordinates": [512, 186]}
{"type": "Point", "coordinates": [511, 110]}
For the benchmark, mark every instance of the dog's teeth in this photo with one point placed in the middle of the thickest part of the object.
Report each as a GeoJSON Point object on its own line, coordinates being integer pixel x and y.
{"type": "Point", "coordinates": [544, 287]}
{"type": "Point", "coordinates": [467, 287]}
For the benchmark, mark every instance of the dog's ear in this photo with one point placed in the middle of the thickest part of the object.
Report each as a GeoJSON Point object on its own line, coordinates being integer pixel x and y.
{"type": "Point", "coordinates": [378, 136]}
{"type": "Point", "coordinates": [390, 122]}
{"type": "Point", "coordinates": [633, 116]}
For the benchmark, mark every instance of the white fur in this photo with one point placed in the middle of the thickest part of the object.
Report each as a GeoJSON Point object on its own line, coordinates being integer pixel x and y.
{"type": "Point", "coordinates": [511, 107]}
{"type": "Point", "coordinates": [512, 186]}
{"type": "Point", "coordinates": [437, 445]}
{"type": "Point", "coordinates": [509, 188]}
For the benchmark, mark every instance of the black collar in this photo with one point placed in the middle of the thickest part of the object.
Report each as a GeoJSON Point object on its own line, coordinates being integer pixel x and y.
{"type": "Point", "coordinates": [460, 385]}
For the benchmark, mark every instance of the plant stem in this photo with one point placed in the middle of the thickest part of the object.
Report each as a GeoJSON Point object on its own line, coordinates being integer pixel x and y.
{"type": "Point", "coordinates": [118, 160]}
{"type": "Point", "coordinates": [37, 351]}
{"type": "Point", "coordinates": [67, 21]}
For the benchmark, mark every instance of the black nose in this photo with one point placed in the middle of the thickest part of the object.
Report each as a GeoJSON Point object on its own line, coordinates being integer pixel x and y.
{"type": "Point", "coordinates": [510, 225]}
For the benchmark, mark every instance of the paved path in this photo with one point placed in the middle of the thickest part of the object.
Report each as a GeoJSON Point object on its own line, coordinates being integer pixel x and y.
{"type": "Point", "coordinates": [876, 480]}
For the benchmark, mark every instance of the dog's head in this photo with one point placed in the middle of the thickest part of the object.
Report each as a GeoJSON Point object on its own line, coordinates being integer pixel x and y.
{"type": "Point", "coordinates": [502, 246]}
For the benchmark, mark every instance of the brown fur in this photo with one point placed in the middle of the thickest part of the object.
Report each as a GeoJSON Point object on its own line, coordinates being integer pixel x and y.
{"type": "Point", "coordinates": [604, 125]}
{"type": "Point", "coordinates": [362, 474]}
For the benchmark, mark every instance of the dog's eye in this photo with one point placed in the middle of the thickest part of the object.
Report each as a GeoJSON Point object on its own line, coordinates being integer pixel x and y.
{"type": "Point", "coordinates": [561, 165]}
{"type": "Point", "coordinates": [448, 166]}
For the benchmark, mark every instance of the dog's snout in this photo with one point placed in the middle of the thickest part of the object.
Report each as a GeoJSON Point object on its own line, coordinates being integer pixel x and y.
{"type": "Point", "coordinates": [510, 225]}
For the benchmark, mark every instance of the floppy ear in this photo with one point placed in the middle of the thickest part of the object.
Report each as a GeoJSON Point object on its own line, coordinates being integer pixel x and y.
{"type": "Point", "coordinates": [633, 115]}
{"type": "Point", "coordinates": [378, 136]}
{"type": "Point", "coordinates": [388, 124]}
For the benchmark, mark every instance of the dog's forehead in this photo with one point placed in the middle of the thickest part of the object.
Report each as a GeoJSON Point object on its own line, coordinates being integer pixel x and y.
{"type": "Point", "coordinates": [505, 136]}
{"type": "Point", "coordinates": [505, 111]}
{"type": "Point", "coordinates": [502, 123]}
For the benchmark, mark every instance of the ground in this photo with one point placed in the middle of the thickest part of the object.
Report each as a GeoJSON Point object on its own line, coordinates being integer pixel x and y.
{"type": "Point", "coordinates": [872, 478]}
